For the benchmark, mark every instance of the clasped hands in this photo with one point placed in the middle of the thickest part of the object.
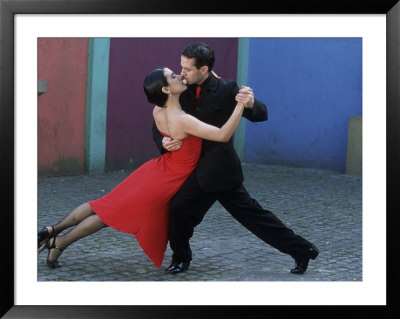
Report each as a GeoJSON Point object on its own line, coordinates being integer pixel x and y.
{"type": "Point", "coordinates": [245, 96]}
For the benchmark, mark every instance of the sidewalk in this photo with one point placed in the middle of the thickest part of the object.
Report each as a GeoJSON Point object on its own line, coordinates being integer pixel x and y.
{"type": "Point", "coordinates": [323, 206]}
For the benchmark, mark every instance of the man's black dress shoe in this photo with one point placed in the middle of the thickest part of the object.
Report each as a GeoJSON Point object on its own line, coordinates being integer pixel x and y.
{"type": "Point", "coordinates": [177, 266]}
{"type": "Point", "coordinates": [301, 265]}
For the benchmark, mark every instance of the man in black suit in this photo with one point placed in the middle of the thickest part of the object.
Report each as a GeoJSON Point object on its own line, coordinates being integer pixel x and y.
{"type": "Point", "coordinates": [219, 175]}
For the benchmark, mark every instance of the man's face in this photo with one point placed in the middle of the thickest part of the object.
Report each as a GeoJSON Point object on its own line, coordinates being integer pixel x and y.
{"type": "Point", "coordinates": [192, 74]}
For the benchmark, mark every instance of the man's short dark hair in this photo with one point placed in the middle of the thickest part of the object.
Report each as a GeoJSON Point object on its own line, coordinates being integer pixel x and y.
{"type": "Point", "coordinates": [202, 54]}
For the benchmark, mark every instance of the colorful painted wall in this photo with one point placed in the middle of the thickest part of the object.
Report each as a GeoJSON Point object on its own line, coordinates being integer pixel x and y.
{"type": "Point", "coordinates": [94, 116]}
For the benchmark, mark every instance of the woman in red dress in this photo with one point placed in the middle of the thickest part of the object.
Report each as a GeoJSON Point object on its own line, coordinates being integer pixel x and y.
{"type": "Point", "coordinates": [139, 204]}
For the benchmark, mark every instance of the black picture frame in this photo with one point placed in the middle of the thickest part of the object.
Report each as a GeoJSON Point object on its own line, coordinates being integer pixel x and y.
{"type": "Point", "coordinates": [8, 9]}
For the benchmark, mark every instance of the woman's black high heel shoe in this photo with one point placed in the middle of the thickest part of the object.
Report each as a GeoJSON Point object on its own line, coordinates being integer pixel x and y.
{"type": "Point", "coordinates": [44, 236]}
{"type": "Point", "coordinates": [54, 263]}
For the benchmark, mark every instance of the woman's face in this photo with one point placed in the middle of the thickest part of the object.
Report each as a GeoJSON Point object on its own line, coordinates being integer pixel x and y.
{"type": "Point", "coordinates": [176, 83]}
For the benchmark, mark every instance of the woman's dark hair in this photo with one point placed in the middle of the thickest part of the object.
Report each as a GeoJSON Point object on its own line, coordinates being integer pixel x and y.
{"type": "Point", "coordinates": [152, 86]}
{"type": "Point", "coordinates": [202, 53]}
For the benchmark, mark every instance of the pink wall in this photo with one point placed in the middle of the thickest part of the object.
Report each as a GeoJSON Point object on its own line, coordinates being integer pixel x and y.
{"type": "Point", "coordinates": [61, 109]}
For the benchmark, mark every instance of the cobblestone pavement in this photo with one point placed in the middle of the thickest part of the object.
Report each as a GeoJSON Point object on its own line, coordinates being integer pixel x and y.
{"type": "Point", "coordinates": [323, 206]}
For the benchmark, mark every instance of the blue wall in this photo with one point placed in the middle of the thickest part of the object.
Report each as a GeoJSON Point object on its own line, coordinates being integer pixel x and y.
{"type": "Point", "coordinates": [311, 87]}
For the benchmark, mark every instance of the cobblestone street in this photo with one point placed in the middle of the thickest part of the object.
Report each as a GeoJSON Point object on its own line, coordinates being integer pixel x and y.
{"type": "Point", "coordinates": [323, 206]}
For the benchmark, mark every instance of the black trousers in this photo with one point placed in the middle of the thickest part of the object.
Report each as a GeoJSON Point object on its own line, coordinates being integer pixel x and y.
{"type": "Point", "coordinates": [189, 205]}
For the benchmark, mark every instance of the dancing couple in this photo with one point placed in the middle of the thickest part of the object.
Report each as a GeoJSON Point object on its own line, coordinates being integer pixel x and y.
{"type": "Point", "coordinates": [195, 116]}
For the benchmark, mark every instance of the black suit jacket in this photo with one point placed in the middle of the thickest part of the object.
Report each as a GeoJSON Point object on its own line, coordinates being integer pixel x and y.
{"type": "Point", "coordinates": [219, 167]}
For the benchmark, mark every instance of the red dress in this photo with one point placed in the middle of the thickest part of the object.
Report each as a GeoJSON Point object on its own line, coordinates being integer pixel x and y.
{"type": "Point", "coordinates": [139, 204]}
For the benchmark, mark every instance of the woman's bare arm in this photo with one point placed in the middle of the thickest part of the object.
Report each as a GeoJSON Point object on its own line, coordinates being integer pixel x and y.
{"type": "Point", "coordinates": [192, 126]}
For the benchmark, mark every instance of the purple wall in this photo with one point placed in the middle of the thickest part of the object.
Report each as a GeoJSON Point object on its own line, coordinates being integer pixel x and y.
{"type": "Point", "coordinates": [129, 115]}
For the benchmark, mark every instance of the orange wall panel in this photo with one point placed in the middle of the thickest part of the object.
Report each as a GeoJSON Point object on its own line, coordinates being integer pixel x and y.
{"type": "Point", "coordinates": [63, 63]}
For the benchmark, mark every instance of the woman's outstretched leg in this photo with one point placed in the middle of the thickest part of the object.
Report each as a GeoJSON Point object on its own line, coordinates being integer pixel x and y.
{"type": "Point", "coordinates": [74, 218]}
{"type": "Point", "coordinates": [87, 226]}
